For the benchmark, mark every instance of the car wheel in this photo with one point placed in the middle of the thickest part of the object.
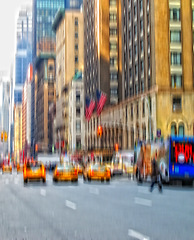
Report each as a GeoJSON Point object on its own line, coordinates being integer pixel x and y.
{"type": "Point", "coordinates": [54, 180]}
{"type": "Point", "coordinates": [44, 180]}
{"type": "Point", "coordinates": [108, 180]}
{"type": "Point", "coordinates": [25, 181]}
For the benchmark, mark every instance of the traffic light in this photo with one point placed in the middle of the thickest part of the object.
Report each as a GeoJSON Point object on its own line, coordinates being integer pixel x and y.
{"type": "Point", "coordinates": [1, 136]}
{"type": "Point", "coordinates": [99, 131]}
{"type": "Point", "coordinates": [5, 137]}
{"type": "Point", "coordinates": [116, 147]}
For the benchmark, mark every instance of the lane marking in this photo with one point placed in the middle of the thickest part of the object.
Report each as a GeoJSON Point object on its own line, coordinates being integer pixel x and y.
{"type": "Point", "coordinates": [143, 190]}
{"type": "Point", "coordinates": [143, 201]}
{"type": "Point", "coordinates": [43, 192]}
{"type": "Point", "coordinates": [94, 191]}
{"type": "Point", "coordinates": [70, 204]}
{"type": "Point", "coordinates": [137, 235]}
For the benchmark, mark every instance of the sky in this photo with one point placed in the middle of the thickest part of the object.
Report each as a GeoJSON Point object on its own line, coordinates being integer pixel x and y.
{"type": "Point", "coordinates": [8, 14]}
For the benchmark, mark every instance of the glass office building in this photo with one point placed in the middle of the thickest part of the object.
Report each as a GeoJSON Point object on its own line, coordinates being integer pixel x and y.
{"type": "Point", "coordinates": [23, 51]}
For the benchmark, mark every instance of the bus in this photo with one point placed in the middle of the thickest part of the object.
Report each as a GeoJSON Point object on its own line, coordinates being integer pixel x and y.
{"type": "Point", "coordinates": [175, 159]}
{"type": "Point", "coordinates": [122, 162]}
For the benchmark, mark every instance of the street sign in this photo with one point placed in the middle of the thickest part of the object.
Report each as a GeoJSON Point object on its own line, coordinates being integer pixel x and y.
{"type": "Point", "coordinates": [158, 132]}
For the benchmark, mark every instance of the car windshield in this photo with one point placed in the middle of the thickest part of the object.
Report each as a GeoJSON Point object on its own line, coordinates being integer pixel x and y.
{"type": "Point", "coordinates": [33, 166]}
{"type": "Point", "coordinates": [64, 167]}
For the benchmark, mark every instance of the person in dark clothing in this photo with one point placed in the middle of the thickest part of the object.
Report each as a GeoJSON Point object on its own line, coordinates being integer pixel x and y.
{"type": "Point", "coordinates": [155, 174]}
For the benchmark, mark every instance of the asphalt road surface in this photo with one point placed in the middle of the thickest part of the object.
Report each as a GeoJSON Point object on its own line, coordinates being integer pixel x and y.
{"type": "Point", "coordinates": [119, 210]}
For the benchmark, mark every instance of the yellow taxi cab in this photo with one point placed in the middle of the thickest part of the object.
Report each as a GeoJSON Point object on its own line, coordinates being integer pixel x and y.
{"type": "Point", "coordinates": [34, 171]}
{"type": "Point", "coordinates": [7, 168]}
{"type": "Point", "coordinates": [20, 168]}
{"type": "Point", "coordinates": [97, 172]}
{"type": "Point", "coordinates": [65, 172]}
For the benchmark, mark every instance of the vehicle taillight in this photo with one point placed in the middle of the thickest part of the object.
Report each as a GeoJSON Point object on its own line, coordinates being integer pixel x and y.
{"type": "Point", "coordinates": [24, 172]}
{"type": "Point", "coordinates": [57, 172]}
{"type": "Point", "coordinates": [43, 170]}
{"type": "Point", "coordinates": [75, 172]}
{"type": "Point", "coordinates": [92, 172]}
{"type": "Point", "coordinates": [108, 172]}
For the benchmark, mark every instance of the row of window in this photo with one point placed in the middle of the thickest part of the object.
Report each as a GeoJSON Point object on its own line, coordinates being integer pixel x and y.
{"type": "Point", "coordinates": [175, 14]}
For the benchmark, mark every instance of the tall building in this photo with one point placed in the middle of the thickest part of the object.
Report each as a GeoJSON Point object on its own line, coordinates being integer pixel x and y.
{"type": "Point", "coordinates": [11, 115]}
{"type": "Point", "coordinates": [76, 113]}
{"type": "Point", "coordinates": [103, 48]}
{"type": "Point", "coordinates": [23, 50]}
{"type": "Point", "coordinates": [26, 113]}
{"type": "Point", "coordinates": [17, 132]}
{"type": "Point", "coordinates": [158, 78]}
{"type": "Point", "coordinates": [44, 40]}
{"type": "Point", "coordinates": [45, 97]}
{"type": "Point", "coordinates": [69, 60]}
{"type": "Point", "coordinates": [4, 108]}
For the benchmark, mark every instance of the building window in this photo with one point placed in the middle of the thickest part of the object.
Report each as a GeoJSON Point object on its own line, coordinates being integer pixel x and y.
{"type": "Point", "coordinates": [144, 133]}
{"type": "Point", "coordinates": [135, 31]}
{"type": "Point", "coordinates": [113, 46]}
{"type": "Point", "coordinates": [76, 47]}
{"type": "Point", "coordinates": [176, 81]}
{"type": "Point", "coordinates": [113, 2]}
{"type": "Point", "coordinates": [135, 50]}
{"type": "Point", "coordinates": [141, 26]}
{"type": "Point", "coordinates": [78, 143]}
{"type": "Point", "coordinates": [142, 66]}
{"type": "Point", "coordinates": [141, 5]}
{"type": "Point", "coordinates": [113, 76]}
{"type": "Point", "coordinates": [137, 110]}
{"type": "Point", "coordinates": [175, 14]}
{"type": "Point", "coordinates": [113, 31]}
{"type": "Point", "coordinates": [76, 21]}
{"type": "Point", "coordinates": [130, 55]}
{"type": "Point", "coordinates": [173, 129]}
{"type": "Point", "coordinates": [193, 14]}
{"type": "Point", "coordinates": [113, 17]}
{"type": "Point", "coordinates": [76, 35]}
{"type": "Point", "coordinates": [143, 108]}
{"type": "Point", "coordinates": [135, 11]}
{"type": "Point", "coordinates": [130, 73]}
{"type": "Point", "coordinates": [142, 86]}
{"type": "Point", "coordinates": [78, 126]}
{"type": "Point", "coordinates": [113, 61]}
{"type": "Point", "coordinates": [136, 70]}
{"type": "Point", "coordinates": [132, 137]}
{"type": "Point", "coordinates": [76, 60]}
{"type": "Point", "coordinates": [77, 97]}
{"type": "Point", "coordinates": [175, 58]}
{"type": "Point", "coordinates": [77, 112]}
{"type": "Point", "coordinates": [141, 45]}
{"type": "Point", "coordinates": [114, 92]}
{"type": "Point", "coordinates": [181, 130]}
{"type": "Point", "coordinates": [175, 36]}
{"type": "Point", "coordinates": [177, 104]}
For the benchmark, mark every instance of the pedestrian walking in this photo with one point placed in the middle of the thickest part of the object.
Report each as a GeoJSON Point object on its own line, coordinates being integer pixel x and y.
{"type": "Point", "coordinates": [155, 174]}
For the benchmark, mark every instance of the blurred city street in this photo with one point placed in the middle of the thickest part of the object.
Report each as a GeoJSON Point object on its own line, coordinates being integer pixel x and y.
{"type": "Point", "coordinates": [120, 209]}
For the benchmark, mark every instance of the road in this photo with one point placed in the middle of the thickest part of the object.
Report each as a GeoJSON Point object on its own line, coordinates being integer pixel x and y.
{"type": "Point", "coordinates": [119, 210]}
